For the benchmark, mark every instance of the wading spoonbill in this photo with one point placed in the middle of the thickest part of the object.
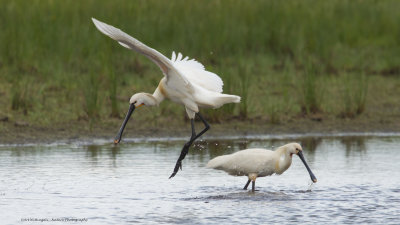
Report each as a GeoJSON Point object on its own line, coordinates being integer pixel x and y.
{"type": "Point", "coordinates": [185, 82]}
{"type": "Point", "coordinates": [257, 162]}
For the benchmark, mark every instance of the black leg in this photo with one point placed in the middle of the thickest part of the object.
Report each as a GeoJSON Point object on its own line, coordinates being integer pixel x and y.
{"type": "Point", "coordinates": [253, 185]}
{"type": "Point", "coordinates": [206, 128]}
{"type": "Point", "coordinates": [247, 184]}
{"type": "Point", "coordinates": [187, 145]}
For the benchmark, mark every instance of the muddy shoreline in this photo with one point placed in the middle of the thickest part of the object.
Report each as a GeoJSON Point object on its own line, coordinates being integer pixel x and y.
{"type": "Point", "coordinates": [12, 133]}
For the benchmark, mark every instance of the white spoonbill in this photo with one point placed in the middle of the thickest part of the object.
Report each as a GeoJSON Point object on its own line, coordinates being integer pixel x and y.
{"type": "Point", "coordinates": [257, 162]}
{"type": "Point", "coordinates": [185, 82]}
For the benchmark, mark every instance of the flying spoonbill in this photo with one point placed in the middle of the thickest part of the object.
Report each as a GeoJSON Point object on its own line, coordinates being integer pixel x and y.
{"type": "Point", "coordinates": [185, 82]}
{"type": "Point", "coordinates": [257, 162]}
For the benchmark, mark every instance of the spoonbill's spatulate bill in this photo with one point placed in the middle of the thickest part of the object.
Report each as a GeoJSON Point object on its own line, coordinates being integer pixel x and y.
{"type": "Point", "coordinates": [185, 82]}
{"type": "Point", "coordinates": [256, 162]}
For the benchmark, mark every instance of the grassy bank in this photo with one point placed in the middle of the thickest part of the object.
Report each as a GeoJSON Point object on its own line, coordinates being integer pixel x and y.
{"type": "Point", "coordinates": [336, 59]}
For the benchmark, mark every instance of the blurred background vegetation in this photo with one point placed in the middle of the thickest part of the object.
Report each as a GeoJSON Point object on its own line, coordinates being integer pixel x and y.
{"type": "Point", "coordinates": [287, 59]}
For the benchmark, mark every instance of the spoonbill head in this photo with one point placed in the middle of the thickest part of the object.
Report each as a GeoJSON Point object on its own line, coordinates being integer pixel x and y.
{"type": "Point", "coordinates": [140, 99]}
{"type": "Point", "coordinates": [137, 100]}
{"type": "Point", "coordinates": [257, 162]}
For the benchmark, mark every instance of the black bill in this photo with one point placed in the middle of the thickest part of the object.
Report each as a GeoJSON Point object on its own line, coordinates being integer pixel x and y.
{"type": "Point", "coordinates": [121, 130]}
{"type": "Point", "coordinates": [313, 178]}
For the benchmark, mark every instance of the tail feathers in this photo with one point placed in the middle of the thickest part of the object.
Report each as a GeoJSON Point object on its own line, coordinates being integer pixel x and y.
{"type": "Point", "coordinates": [224, 99]}
{"type": "Point", "coordinates": [232, 98]}
{"type": "Point", "coordinates": [215, 162]}
{"type": "Point", "coordinates": [220, 162]}
{"type": "Point", "coordinates": [236, 99]}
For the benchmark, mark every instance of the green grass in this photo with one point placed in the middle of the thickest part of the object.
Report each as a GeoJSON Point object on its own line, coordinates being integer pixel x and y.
{"type": "Point", "coordinates": [355, 91]}
{"type": "Point", "coordinates": [90, 87]}
{"type": "Point", "coordinates": [20, 97]}
{"type": "Point", "coordinates": [244, 83]}
{"type": "Point", "coordinates": [283, 57]}
{"type": "Point", "coordinates": [312, 88]}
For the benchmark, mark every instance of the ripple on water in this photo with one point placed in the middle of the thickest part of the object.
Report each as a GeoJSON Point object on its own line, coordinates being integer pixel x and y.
{"type": "Point", "coordinates": [130, 184]}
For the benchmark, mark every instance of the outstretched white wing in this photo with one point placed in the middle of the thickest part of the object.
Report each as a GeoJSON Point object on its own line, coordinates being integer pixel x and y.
{"type": "Point", "coordinates": [196, 73]}
{"type": "Point", "coordinates": [166, 66]}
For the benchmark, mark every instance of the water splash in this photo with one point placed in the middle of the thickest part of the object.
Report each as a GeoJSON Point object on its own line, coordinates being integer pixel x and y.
{"type": "Point", "coordinates": [310, 185]}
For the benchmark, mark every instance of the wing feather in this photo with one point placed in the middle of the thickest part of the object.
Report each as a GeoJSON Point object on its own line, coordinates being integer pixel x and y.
{"type": "Point", "coordinates": [173, 57]}
{"type": "Point", "coordinates": [179, 57]}
{"type": "Point", "coordinates": [195, 72]}
{"type": "Point", "coordinates": [129, 42]}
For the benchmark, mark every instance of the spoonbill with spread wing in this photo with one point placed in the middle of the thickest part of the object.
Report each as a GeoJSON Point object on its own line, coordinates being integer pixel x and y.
{"type": "Point", "coordinates": [185, 82]}
{"type": "Point", "coordinates": [257, 162]}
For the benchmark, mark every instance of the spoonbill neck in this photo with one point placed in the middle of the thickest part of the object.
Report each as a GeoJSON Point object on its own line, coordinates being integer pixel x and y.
{"type": "Point", "coordinates": [159, 94]}
{"type": "Point", "coordinates": [283, 160]}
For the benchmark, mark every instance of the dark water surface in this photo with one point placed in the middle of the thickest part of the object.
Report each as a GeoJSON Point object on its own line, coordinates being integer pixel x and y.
{"type": "Point", "coordinates": [358, 182]}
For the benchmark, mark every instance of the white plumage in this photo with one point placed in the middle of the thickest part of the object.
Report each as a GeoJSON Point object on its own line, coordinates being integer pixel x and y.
{"type": "Point", "coordinates": [242, 163]}
{"type": "Point", "coordinates": [259, 162]}
{"type": "Point", "coordinates": [196, 73]}
{"type": "Point", "coordinates": [186, 82]}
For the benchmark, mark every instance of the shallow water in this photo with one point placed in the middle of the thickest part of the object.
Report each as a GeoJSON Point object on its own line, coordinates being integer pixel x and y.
{"type": "Point", "coordinates": [358, 182]}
